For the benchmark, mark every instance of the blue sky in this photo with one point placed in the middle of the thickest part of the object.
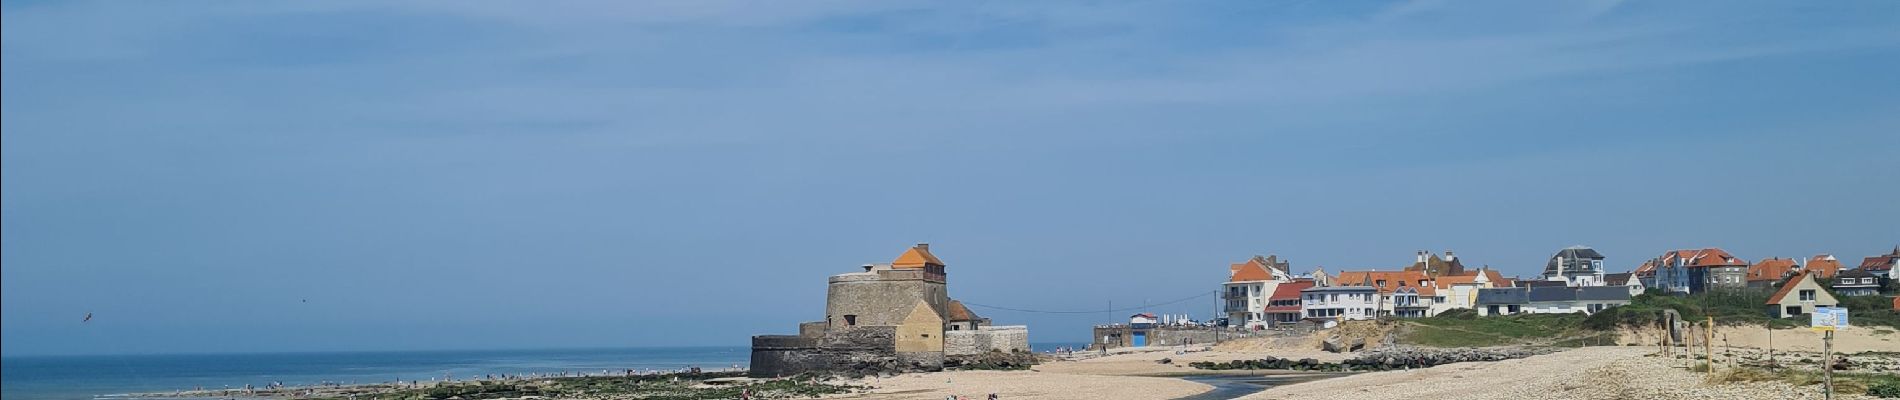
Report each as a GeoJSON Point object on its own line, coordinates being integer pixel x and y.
{"type": "Point", "coordinates": [307, 176]}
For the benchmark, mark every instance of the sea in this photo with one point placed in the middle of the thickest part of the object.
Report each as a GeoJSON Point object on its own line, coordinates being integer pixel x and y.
{"type": "Point", "coordinates": [109, 376]}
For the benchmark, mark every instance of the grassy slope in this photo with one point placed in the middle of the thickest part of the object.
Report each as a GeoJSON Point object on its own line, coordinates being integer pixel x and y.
{"type": "Point", "coordinates": [1463, 328]}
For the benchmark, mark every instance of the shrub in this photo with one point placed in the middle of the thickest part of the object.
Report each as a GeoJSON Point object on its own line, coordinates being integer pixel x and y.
{"type": "Point", "coordinates": [1888, 389]}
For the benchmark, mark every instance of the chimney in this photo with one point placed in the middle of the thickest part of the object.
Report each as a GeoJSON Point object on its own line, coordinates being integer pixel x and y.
{"type": "Point", "coordinates": [1421, 256]}
{"type": "Point", "coordinates": [923, 246]}
{"type": "Point", "coordinates": [868, 267]}
{"type": "Point", "coordinates": [1449, 257]}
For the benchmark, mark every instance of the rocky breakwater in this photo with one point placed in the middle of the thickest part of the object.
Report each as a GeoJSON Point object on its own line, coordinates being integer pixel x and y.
{"type": "Point", "coordinates": [1382, 359]}
{"type": "Point", "coordinates": [992, 360]}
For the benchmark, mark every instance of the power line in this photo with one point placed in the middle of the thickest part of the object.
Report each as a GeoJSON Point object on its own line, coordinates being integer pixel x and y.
{"type": "Point", "coordinates": [1196, 296]}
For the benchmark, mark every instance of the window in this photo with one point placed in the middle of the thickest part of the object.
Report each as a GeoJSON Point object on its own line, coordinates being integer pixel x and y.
{"type": "Point", "coordinates": [1806, 294]}
{"type": "Point", "coordinates": [1867, 281]}
{"type": "Point", "coordinates": [1792, 310]}
{"type": "Point", "coordinates": [852, 319]}
{"type": "Point", "coordinates": [1847, 281]}
{"type": "Point", "coordinates": [1515, 309]}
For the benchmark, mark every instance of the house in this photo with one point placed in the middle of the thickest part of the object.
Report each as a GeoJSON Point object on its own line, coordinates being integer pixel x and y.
{"type": "Point", "coordinates": [1770, 272]}
{"type": "Point", "coordinates": [1646, 274]}
{"type": "Point", "coordinates": [1388, 285]}
{"type": "Point", "coordinates": [1575, 266]}
{"type": "Point", "coordinates": [1433, 265]}
{"type": "Point", "coordinates": [1619, 279]}
{"type": "Point", "coordinates": [1460, 291]}
{"type": "Point", "coordinates": [1143, 320]}
{"type": "Point", "coordinates": [1823, 265]}
{"type": "Point", "coordinates": [1799, 296]}
{"type": "Point", "coordinates": [1502, 301]}
{"type": "Point", "coordinates": [1334, 303]}
{"type": "Point", "coordinates": [960, 318]}
{"type": "Point", "coordinates": [1856, 282]}
{"type": "Point", "coordinates": [1882, 265]}
{"type": "Point", "coordinates": [1573, 299]}
{"type": "Point", "coordinates": [1626, 280]}
{"type": "Point", "coordinates": [1698, 270]}
{"type": "Point", "coordinates": [1409, 302]}
{"type": "Point", "coordinates": [1248, 284]}
{"type": "Point", "coordinates": [1321, 278]}
{"type": "Point", "coordinates": [1283, 306]}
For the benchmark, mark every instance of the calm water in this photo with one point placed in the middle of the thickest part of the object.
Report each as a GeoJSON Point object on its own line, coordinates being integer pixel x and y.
{"type": "Point", "coordinates": [85, 377]}
{"type": "Point", "coordinates": [88, 377]}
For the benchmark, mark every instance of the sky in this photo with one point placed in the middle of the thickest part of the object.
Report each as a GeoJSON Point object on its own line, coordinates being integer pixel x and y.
{"type": "Point", "coordinates": [360, 176]}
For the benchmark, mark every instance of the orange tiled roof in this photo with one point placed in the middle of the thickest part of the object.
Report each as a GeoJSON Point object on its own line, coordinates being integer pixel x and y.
{"type": "Point", "coordinates": [960, 313]}
{"type": "Point", "coordinates": [916, 257]}
{"type": "Point", "coordinates": [1390, 278]}
{"type": "Point", "coordinates": [1497, 279]}
{"type": "Point", "coordinates": [1252, 270]}
{"type": "Point", "coordinates": [1289, 290]}
{"type": "Point", "coordinates": [1824, 266]}
{"type": "Point", "coordinates": [1772, 269]}
{"type": "Point", "coordinates": [1787, 287]}
{"type": "Point", "coordinates": [1702, 258]}
{"type": "Point", "coordinates": [1647, 269]}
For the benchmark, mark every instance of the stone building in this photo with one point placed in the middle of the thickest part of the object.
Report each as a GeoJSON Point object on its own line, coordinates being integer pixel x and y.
{"type": "Point", "coordinates": [1436, 266]}
{"type": "Point", "coordinates": [887, 317]}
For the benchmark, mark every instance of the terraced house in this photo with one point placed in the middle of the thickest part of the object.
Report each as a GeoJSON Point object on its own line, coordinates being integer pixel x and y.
{"type": "Point", "coordinates": [1695, 271]}
{"type": "Point", "coordinates": [1882, 265]}
{"type": "Point", "coordinates": [1405, 294]}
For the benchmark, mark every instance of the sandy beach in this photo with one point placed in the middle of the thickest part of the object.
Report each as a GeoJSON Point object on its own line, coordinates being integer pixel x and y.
{"type": "Point", "coordinates": [1610, 372]}
{"type": "Point", "coordinates": [1586, 373]}
{"type": "Point", "coordinates": [1124, 375]}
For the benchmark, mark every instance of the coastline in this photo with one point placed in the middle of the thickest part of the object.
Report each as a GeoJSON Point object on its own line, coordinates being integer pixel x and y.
{"type": "Point", "coordinates": [1127, 374]}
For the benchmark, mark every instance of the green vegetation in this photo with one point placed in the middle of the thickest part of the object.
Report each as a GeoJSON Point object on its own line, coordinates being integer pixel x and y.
{"type": "Point", "coordinates": [1888, 389]}
{"type": "Point", "coordinates": [1870, 310]}
{"type": "Point", "coordinates": [661, 387]}
{"type": "Point", "coordinates": [1877, 385]}
{"type": "Point", "coordinates": [1464, 328]}
{"type": "Point", "coordinates": [1740, 307]}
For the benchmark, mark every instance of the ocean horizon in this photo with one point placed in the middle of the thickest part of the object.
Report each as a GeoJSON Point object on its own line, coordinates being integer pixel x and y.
{"type": "Point", "coordinates": [73, 377]}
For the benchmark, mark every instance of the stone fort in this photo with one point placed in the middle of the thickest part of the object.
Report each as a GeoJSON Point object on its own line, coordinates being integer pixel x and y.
{"type": "Point", "coordinates": [887, 317]}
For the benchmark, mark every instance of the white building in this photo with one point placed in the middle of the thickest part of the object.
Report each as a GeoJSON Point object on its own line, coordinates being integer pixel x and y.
{"type": "Point", "coordinates": [1551, 299]}
{"type": "Point", "coordinates": [1331, 304]}
{"type": "Point", "coordinates": [1575, 266]}
{"type": "Point", "coordinates": [1245, 295]}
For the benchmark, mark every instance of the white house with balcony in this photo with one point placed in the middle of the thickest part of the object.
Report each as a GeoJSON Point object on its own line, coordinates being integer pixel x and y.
{"type": "Point", "coordinates": [1244, 297]}
{"type": "Point", "coordinates": [1339, 303]}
